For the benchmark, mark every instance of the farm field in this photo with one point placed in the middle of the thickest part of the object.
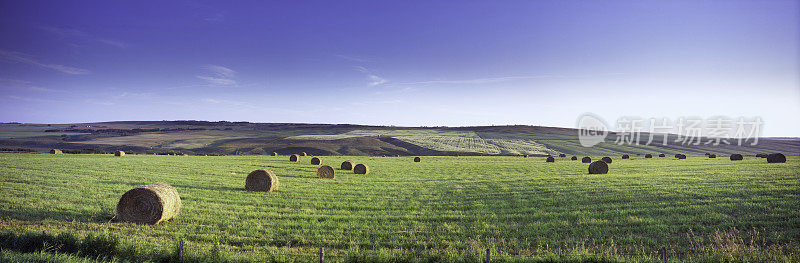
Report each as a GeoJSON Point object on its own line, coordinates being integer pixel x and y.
{"type": "Point", "coordinates": [447, 209]}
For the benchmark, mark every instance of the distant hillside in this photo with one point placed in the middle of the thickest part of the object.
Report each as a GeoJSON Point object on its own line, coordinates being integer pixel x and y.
{"type": "Point", "coordinates": [201, 137]}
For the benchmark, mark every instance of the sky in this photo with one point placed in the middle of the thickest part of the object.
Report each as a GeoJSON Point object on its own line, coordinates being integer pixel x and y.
{"type": "Point", "coordinates": [404, 63]}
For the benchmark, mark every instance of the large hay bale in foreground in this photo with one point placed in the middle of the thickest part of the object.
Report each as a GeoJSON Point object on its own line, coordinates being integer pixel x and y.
{"type": "Point", "coordinates": [149, 204]}
{"type": "Point", "coordinates": [776, 158]}
{"type": "Point", "coordinates": [662, 155]}
{"type": "Point", "coordinates": [417, 159]}
{"type": "Point", "coordinates": [56, 151]}
{"type": "Point", "coordinates": [606, 159]}
{"type": "Point", "coordinates": [712, 156]}
{"type": "Point", "coordinates": [326, 172]}
{"type": "Point", "coordinates": [598, 167]}
{"type": "Point", "coordinates": [119, 153]}
{"type": "Point", "coordinates": [586, 159]}
{"type": "Point", "coordinates": [736, 157]}
{"type": "Point", "coordinates": [261, 181]}
{"type": "Point", "coordinates": [574, 158]}
{"type": "Point", "coordinates": [648, 156]}
{"type": "Point", "coordinates": [550, 159]}
{"type": "Point", "coordinates": [625, 156]}
{"type": "Point", "coordinates": [361, 169]}
{"type": "Point", "coordinates": [294, 158]}
{"type": "Point", "coordinates": [347, 165]}
{"type": "Point", "coordinates": [562, 155]}
{"type": "Point", "coordinates": [316, 161]}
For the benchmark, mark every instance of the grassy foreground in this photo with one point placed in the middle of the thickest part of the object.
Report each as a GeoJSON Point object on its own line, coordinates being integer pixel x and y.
{"type": "Point", "coordinates": [441, 209]}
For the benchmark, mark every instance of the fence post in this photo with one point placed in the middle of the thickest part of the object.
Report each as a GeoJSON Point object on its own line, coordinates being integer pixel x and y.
{"type": "Point", "coordinates": [180, 250]}
{"type": "Point", "coordinates": [321, 255]}
{"type": "Point", "coordinates": [663, 254]}
{"type": "Point", "coordinates": [488, 256]}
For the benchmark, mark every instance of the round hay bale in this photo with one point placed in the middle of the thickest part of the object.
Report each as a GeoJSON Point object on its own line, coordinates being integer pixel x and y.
{"type": "Point", "coordinates": [562, 155]}
{"type": "Point", "coordinates": [417, 159]}
{"type": "Point", "coordinates": [574, 158]}
{"type": "Point", "coordinates": [261, 181]}
{"type": "Point", "coordinates": [294, 158]}
{"type": "Point", "coordinates": [526, 156]}
{"type": "Point", "coordinates": [550, 159]}
{"type": "Point", "coordinates": [712, 156]}
{"type": "Point", "coordinates": [316, 161]}
{"type": "Point", "coordinates": [56, 151]}
{"type": "Point", "coordinates": [348, 165]}
{"type": "Point", "coordinates": [303, 154]}
{"type": "Point", "coordinates": [625, 156]}
{"type": "Point", "coordinates": [648, 156]}
{"type": "Point", "coordinates": [326, 172]}
{"type": "Point", "coordinates": [736, 157]}
{"type": "Point", "coordinates": [662, 155]}
{"type": "Point", "coordinates": [606, 159]}
{"type": "Point", "coordinates": [707, 154]}
{"type": "Point", "coordinates": [586, 159]}
{"type": "Point", "coordinates": [680, 156]}
{"type": "Point", "coordinates": [776, 158]}
{"type": "Point", "coordinates": [119, 153]}
{"type": "Point", "coordinates": [361, 169]}
{"type": "Point", "coordinates": [274, 154]}
{"type": "Point", "coordinates": [598, 167]}
{"type": "Point", "coordinates": [677, 155]}
{"type": "Point", "coordinates": [149, 204]}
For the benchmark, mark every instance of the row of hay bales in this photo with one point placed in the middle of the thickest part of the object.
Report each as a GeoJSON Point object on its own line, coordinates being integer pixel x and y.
{"type": "Point", "coordinates": [327, 171]}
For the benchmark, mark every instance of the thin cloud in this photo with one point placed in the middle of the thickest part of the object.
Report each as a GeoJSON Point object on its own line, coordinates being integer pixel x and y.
{"type": "Point", "coordinates": [374, 79]}
{"type": "Point", "coordinates": [75, 33]}
{"type": "Point", "coordinates": [353, 58]}
{"type": "Point", "coordinates": [25, 58]}
{"type": "Point", "coordinates": [219, 75]}
{"type": "Point", "coordinates": [479, 80]}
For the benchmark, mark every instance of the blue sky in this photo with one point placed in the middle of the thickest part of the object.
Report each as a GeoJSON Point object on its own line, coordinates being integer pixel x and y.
{"type": "Point", "coordinates": [405, 63]}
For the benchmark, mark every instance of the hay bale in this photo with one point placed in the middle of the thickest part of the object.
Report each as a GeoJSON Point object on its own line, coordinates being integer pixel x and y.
{"type": "Point", "coordinates": [526, 156]}
{"type": "Point", "coordinates": [56, 151]}
{"type": "Point", "coordinates": [625, 156]}
{"type": "Point", "coordinates": [648, 156]}
{"type": "Point", "coordinates": [662, 155]}
{"type": "Point", "coordinates": [455, 155]}
{"type": "Point", "coordinates": [149, 204]}
{"type": "Point", "coordinates": [261, 181]}
{"type": "Point", "coordinates": [119, 153]}
{"type": "Point", "coordinates": [776, 158]}
{"type": "Point", "coordinates": [586, 159]}
{"type": "Point", "coordinates": [347, 165]}
{"type": "Point", "coordinates": [562, 155]}
{"type": "Point", "coordinates": [316, 161]}
{"type": "Point", "coordinates": [417, 159]}
{"type": "Point", "coordinates": [736, 157]}
{"type": "Point", "coordinates": [550, 159]}
{"type": "Point", "coordinates": [712, 156]}
{"type": "Point", "coordinates": [361, 169]}
{"type": "Point", "coordinates": [707, 154]}
{"type": "Point", "coordinates": [598, 167]}
{"type": "Point", "coordinates": [680, 156]}
{"type": "Point", "coordinates": [294, 158]}
{"type": "Point", "coordinates": [606, 159]}
{"type": "Point", "coordinates": [274, 154]}
{"type": "Point", "coordinates": [574, 158]}
{"type": "Point", "coordinates": [326, 172]}
{"type": "Point", "coordinates": [303, 154]}
{"type": "Point", "coordinates": [677, 155]}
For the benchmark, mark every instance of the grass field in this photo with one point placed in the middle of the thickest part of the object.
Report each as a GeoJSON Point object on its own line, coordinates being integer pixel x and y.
{"type": "Point", "coordinates": [441, 209]}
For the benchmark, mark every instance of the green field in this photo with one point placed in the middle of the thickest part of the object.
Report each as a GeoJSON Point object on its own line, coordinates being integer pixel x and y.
{"type": "Point", "coordinates": [441, 209]}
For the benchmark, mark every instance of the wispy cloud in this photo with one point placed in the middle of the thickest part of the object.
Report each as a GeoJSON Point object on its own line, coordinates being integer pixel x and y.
{"type": "Point", "coordinates": [25, 58]}
{"type": "Point", "coordinates": [353, 58]}
{"type": "Point", "coordinates": [64, 32]}
{"type": "Point", "coordinates": [22, 85]}
{"type": "Point", "coordinates": [479, 80]}
{"type": "Point", "coordinates": [219, 75]}
{"type": "Point", "coordinates": [374, 79]}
